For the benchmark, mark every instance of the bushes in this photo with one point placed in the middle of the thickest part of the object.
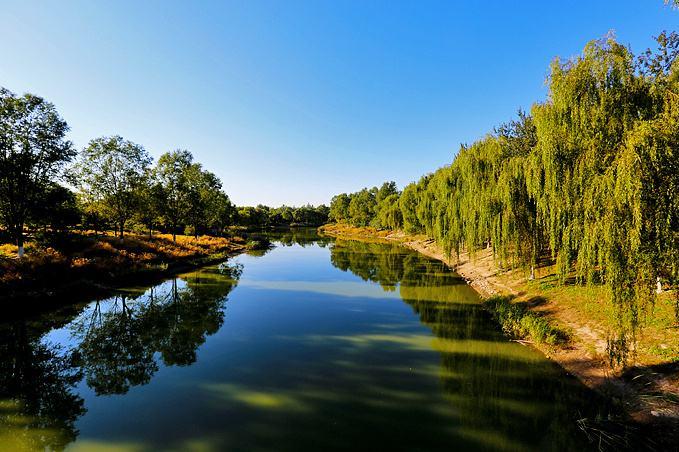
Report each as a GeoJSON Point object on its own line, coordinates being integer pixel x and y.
{"type": "Point", "coordinates": [517, 321]}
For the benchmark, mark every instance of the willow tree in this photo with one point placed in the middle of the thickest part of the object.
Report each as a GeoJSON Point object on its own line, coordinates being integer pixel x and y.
{"type": "Point", "coordinates": [408, 202]}
{"type": "Point", "coordinates": [517, 236]}
{"type": "Point", "coordinates": [587, 176]}
{"type": "Point", "coordinates": [591, 175]}
{"type": "Point", "coordinates": [593, 101]}
{"type": "Point", "coordinates": [642, 235]}
{"type": "Point", "coordinates": [388, 213]}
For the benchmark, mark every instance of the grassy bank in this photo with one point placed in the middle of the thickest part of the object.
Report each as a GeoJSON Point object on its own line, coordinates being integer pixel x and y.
{"type": "Point", "coordinates": [89, 262]}
{"type": "Point", "coordinates": [569, 324]}
{"type": "Point", "coordinates": [518, 321]}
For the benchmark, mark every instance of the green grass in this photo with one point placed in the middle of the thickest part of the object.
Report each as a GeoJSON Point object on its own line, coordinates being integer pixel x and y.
{"type": "Point", "coordinates": [519, 322]}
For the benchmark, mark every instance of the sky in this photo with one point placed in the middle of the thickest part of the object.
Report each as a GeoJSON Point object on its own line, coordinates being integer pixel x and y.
{"type": "Point", "coordinates": [291, 102]}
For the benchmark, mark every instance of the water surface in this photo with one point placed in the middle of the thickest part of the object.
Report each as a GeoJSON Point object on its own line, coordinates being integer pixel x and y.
{"type": "Point", "coordinates": [315, 345]}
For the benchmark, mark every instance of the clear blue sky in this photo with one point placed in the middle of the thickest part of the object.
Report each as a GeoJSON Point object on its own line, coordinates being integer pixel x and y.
{"type": "Point", "coordinates": [292, 102]}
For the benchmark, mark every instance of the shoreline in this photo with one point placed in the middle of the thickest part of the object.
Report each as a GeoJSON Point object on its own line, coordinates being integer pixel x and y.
{"type": "Point", "coordinates": [581, 356]}
{"type": "Point", "coordinates": [43, 294]}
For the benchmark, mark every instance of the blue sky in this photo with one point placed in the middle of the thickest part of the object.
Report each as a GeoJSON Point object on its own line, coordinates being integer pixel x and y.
{"type": "Point", "coordinates": [292, 102]}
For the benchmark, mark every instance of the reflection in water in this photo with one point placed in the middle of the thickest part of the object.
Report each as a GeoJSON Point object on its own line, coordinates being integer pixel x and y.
{"type": "Point", "coordinates": [318, 352]}
{"type": "Point", "coordinates": [118, 345]}
{"type": "Point", "coordinates": [300, 236]}
{"type": "Point", "coordinates": [506, 392]}
{"type": "Point", "coordinates": [113, 345]}
{"type": "Point", "coordinates": [38, 406]}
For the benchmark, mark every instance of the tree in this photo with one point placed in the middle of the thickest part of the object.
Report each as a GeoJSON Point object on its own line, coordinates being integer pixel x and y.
{"type": "Point", "coordinates": [408, 204]}
{"type": "Point", "coordinates": [388, 213]}
{"type": "Point", "coordinates": [339, 207]}
{"type": "Point", "coordinates": [590, 176]}
{"type": "Point", "coordinates": [91, 213]}
{"type": "Point", "coordinates": [33, 151]}
{"type": "Point", "coordinates": [151, 201]}
{"type": "Point", "coordinates": [387, 189]}
{"type": "Point", "coordinates": [58, 209]}
{"type": "Point", "coordinates": [112, 171]}
{"type": "Point", "coordinates": [362, 207]}
{"type": "Point", "coordinates": [221, 212]}
{"type": "Point", "coordinates": [204, 192]}
{"type": "Point", "coordinates": [171, 173]}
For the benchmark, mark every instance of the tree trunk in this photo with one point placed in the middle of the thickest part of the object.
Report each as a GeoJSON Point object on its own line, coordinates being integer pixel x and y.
{"type": "Point", "coordinates": [20, 241]}
{"type": "Point", "coordinates": [532, 273]}
{"type": "Point", "coordinates": [122, 230]}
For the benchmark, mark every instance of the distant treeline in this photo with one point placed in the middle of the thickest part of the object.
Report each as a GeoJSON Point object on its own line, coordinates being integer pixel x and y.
{"type": "Point", "coordinates": [117, 185]}
{"type": "Point", "coordinates": [589, 180]}
{"type": "Point", "coordinates": [267, 217]}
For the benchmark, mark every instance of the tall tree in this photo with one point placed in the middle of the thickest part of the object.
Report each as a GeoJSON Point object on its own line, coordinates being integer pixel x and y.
{"type": "Point", "coordinates": [151, 202]}
{"type": "Point", "coordinates": [339, 207]}
{"type": "Point", "coordinates": [33, 151]}
{"type": "Point", "coordinates": [171, 173]}
{"type": "Point", "coordinates": [112, 171]}
{"type": "Point", "coordinates": [203, 190]}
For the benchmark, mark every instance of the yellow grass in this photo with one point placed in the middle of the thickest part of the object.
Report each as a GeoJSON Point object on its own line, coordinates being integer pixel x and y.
{"type": "Point", "coordinates": [105, 256]}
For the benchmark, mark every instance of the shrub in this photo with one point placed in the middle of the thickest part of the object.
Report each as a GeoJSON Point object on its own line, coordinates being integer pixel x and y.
{"type": "Point", "coordinates": [518, 322]}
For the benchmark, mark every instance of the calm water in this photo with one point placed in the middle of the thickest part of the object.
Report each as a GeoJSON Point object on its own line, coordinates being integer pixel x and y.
{"type": "Point", "coordinates": [314, 345]}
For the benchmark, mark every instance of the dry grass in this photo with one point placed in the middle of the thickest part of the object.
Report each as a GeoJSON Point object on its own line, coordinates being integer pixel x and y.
{"type": "Point", "coordinates": [347, 230]}
{"type": "Point", "coordinates": [83, 256]}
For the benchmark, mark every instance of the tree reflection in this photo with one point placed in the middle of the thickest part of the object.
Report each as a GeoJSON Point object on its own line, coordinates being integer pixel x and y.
{"type": "Point", "coordinates": [119, 341]}
{"type": "Point", "coordinates": [499, 387]}
{"type": "Point", "coordinates": [38, 407]}
{"type": "Point", "coordinates": [300, 236]}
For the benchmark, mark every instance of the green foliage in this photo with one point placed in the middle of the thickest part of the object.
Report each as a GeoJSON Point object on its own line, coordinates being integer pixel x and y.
{"type": "Point", "coordinates": [171, 176]}
{"type": "Point", "coordinates": [58, 210]}
{"type": "Point", "coordinates": [590, 177]}
{"type": "Point", "coordinates": [284, 216]}
{"type": "Point", "coordinates": [521, 323]}
{"type": "Point", "coordinates": [189, 196]}
{"type": "Point", "coordinates": [111, 172]}
{"type": "Point", "coordinates": [377, 206]}
{"type": "Point", "coordinates": [388, 213]}
{"type": "Point", "coordinates": [33, 151]}
{"type": "Point", "coordinates": [362, 207]}
{"type": "Point", "coordinates": [339, 208]}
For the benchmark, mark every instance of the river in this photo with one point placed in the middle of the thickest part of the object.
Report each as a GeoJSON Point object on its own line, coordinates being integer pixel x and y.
{"type": "Point", "coordinates": [318, 344]}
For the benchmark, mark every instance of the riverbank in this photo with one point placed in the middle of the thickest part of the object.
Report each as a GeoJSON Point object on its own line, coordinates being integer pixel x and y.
{"type": "Point", "coordinates": [87, 265]}
{"type": "Point", "coordinates": [648, 388]}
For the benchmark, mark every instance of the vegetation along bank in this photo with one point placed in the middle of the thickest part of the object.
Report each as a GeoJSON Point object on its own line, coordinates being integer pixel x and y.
{"type": "Point", "coordinates": [569, 211]}
{"type": "Point", "coordinates": [102, 215]}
